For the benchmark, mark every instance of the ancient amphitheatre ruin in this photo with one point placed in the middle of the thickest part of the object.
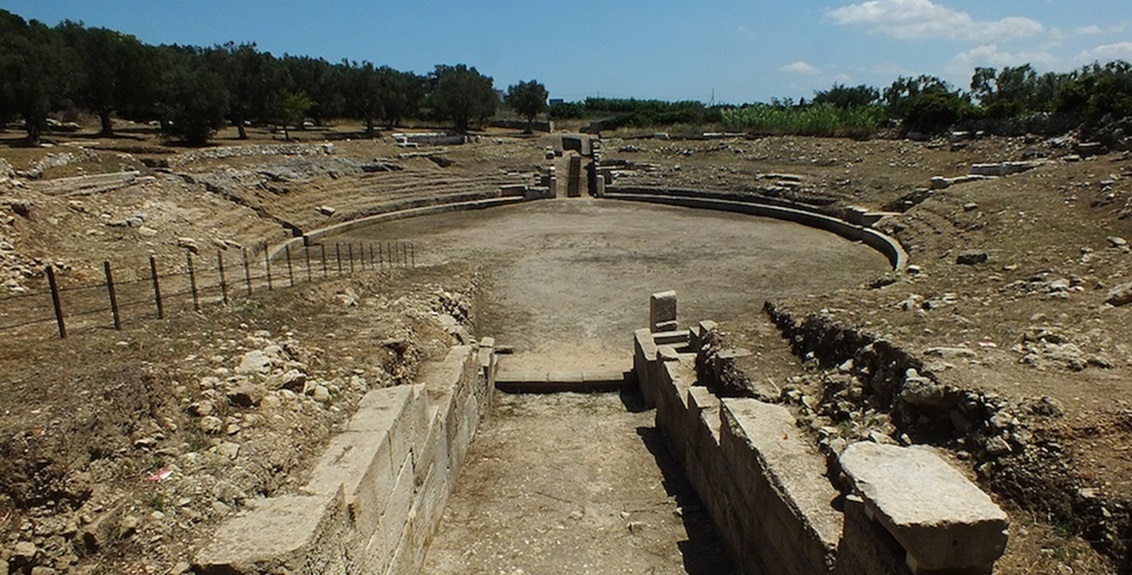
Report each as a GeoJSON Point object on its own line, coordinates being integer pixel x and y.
{"type": "Point", "coordinates": [881, 356]}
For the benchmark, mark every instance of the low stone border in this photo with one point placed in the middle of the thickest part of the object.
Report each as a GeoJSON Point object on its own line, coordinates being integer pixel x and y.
{"type": "Point", "coordinates": [311, 237]}
{"type": "Point", "coordinates": [884, 244]}
{"type": "Point", "coordinates": [377, 495]}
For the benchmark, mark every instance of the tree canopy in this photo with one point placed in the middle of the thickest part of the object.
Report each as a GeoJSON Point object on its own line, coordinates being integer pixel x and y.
{"type": "Point", "coordinates": [193, 91]}
{"type": "Point", "coordinates": [528, 99]}
{"type": "Point", "coordinates": [461, 94]}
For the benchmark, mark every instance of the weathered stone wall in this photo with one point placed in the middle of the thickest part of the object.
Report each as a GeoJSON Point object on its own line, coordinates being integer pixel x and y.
{"type": "Point", "coordinates": [377, 494]}
{"type": "Point", "coordinates": [771, 497]}
{"type": "Point", "coordinates": [762, 484]}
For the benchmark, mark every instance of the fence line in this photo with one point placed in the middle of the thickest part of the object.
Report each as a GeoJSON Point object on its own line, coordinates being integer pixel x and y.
{"type": "Point", "coordinates": [187, 289]}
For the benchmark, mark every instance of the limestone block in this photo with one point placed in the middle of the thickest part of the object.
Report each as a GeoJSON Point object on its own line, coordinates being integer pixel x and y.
{"type": "Point", "coordinates": [486, 355]}
{"type": "Point", "coordinates": [432, 496]}
{"type": "Point", "coordinates": [676, 337]}
{"type": "Point", "coordinates": [357, 463]}
{"type": "Point", "coordinates": [671, 402]}
{"type": "Point", "coordinates": [466, 422]}
{"type": "Point", "coordinates": [361, 458]}
{"type": "Point", "coordinates": [426, 453]}
{"type": "Point", "coordinates": [443, 376]}
{"type": "Point", "coordinates": [943, 521]}
{"type": "Point", "coordinates": [780, 473]}
{"type": "Point", "coordinates": [700, 334]}
{"type": "Point", "coordinates": [666, 353]}
{"type": "Point", "coordinates": [644, 364]}
{"type": "Point", "coordinates": [383, 543]}
{"type": "Point", "coordinates": [379, 409]}
{"type": "Point", "coordinates": [565, 376]}
{"type": "Point", "coordinates": [866, 547]}
{"type": "Point", "coordinates": [403, 434]}
{"type": "Point", "coordinates": [703, 408]}
{"type": "Point", "coordinates": [662, 310]}
{"type": "Point", "coordinates": [281, 534]}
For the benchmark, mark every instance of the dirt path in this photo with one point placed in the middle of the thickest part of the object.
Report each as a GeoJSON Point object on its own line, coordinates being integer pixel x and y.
{"type": "Point", "coordinates": [572, 483]}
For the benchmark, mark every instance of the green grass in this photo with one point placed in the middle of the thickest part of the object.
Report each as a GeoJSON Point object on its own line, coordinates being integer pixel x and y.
{"type": "Point", "coordinates": [820, 120]}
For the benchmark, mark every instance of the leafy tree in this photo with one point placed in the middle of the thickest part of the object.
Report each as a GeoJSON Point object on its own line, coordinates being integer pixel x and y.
{"type": "Point", "coordinates": [363, 94]}
{"type": "Point", "coordinates": [925, 104]}
{"type": "Point", "coordinates": [461, 94]}
{"type": "Point", "coordinates": [934, 112]}
{"type": "Point", "coordinates": [528, 99]}
{"type": "Point", "coordinates": [252, 80]}
{"type": "Point", "coordinates": [321, 80]}
{"type": "Point", "coordinates": [401, 93]}
{"type": "Point", "coordinates": [900, 95]}
{"type": "Point", "coordinates": [1011, 92]}
{"type": "Point", "coordinates": [31, 85]}
{"type": "Point", "coordinates": [109, 68]}
{"type": "Point", "coordinates": [846, 98]}
{"type": "Point", "coordinates": [194, 102]}
{"type": "Point", "coordinates": [294, 107]}
{"type": "Point", "coordinates": [1095, 92]}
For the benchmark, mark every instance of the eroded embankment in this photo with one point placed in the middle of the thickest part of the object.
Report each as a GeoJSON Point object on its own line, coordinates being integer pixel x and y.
{"type": "Point", "coordinates": [874, 384]}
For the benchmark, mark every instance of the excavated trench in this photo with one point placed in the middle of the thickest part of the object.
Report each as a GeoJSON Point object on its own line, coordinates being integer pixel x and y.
{"type": "Point", "coordinates": [584, 482]}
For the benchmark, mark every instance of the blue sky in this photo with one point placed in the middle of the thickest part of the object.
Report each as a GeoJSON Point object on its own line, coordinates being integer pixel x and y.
{"type": "Point", "coordinates": [740, 50]}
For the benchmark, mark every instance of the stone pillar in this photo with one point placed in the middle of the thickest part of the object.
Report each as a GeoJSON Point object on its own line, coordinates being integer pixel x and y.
{"type": "Point", "coordinates": [662, 312]}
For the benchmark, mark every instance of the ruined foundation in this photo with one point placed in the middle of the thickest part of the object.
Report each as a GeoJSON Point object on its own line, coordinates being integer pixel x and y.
{"type": "Point", "coordinates": [770, 494]}
{"type": "Point", "coordinates": [377, 494]}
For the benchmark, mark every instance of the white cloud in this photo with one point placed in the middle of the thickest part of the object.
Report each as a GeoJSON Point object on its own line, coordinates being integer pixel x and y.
{"type": "Point", "coordinates": [923, 19]}
{"type": "Point", "coordinates": [1107, 53]}
{"type": "Point", "coordinates": [1088, 31]}
{"type": "Point", "coordinates": [802, 68]}
{"type": "Point", "coordinates": [990, 55]}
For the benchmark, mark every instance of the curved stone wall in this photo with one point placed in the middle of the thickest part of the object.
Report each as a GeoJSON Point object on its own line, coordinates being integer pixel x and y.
{"type": "Point", "coordinates": [764, 207]}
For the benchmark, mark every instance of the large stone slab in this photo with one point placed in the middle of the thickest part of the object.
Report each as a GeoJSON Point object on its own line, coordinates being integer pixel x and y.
{"type": "Point", "coordinates": [291, 533]}
{"type": "Point", "coordinates": [780, 473]}
{"type": "Point", "coordinates": [943, 521]}
{"type": "Point", "coordinates": [662, 311]}
{"type": "Point", "coordinates": [361, 459]}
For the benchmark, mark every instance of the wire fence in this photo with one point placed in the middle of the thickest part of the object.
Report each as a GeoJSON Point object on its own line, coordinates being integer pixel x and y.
{"type": "Point", "coordinates": [130, 291]}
